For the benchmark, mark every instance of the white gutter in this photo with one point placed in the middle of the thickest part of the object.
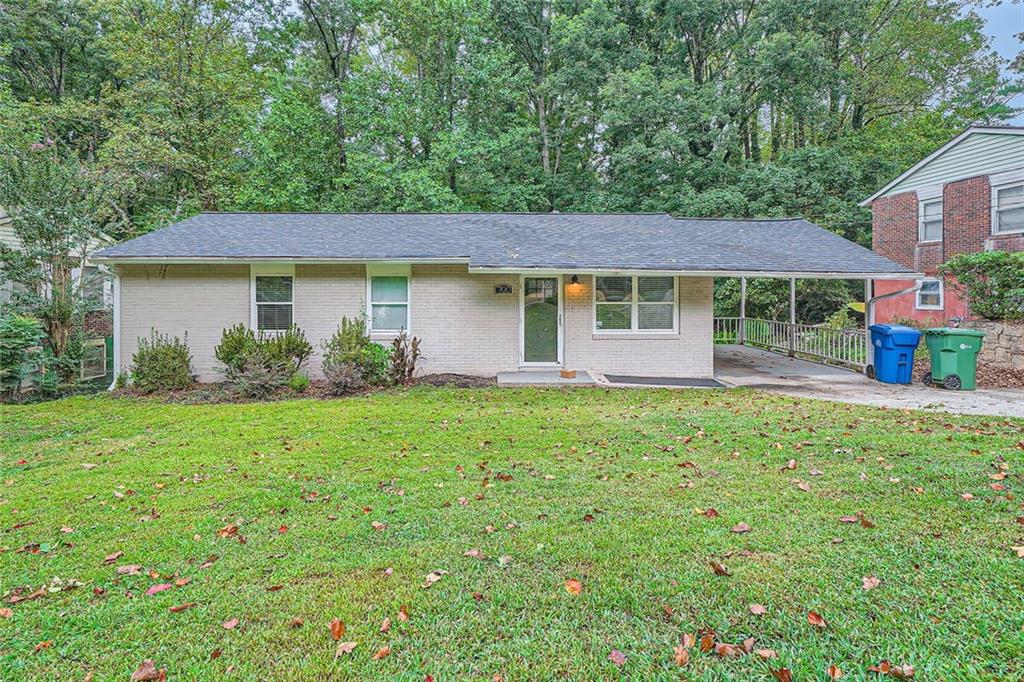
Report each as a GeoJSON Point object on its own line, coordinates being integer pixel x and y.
{"type": "Point", "coordinates": [701, 273]}
{"type": "Point", "coordinates": [871, 302]}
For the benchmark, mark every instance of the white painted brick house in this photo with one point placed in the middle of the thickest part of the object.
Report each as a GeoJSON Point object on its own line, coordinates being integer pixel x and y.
{"type": "Point", "coordinates": [626, 294]}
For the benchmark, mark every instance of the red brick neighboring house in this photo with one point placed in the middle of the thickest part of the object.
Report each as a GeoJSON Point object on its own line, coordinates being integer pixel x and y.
{"type": "Point", "coordinates": [966, 197]}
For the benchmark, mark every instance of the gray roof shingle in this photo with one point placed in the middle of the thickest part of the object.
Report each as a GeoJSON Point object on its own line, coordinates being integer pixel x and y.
{"type": "Point", "coordinates": [562, 241]}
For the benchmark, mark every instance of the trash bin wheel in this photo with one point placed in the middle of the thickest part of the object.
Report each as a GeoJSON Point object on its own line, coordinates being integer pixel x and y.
{"type": "Point", "coordinates": [869, 371]}
{"type": "Point", "coordinates": [927, 380]}
{"type": "Point", "coordinates": [951, 382]}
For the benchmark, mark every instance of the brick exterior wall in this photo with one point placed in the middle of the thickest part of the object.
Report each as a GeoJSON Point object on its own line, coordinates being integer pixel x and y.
{"type": "Point", "coordinates": [967, 228]}
{"type": "Point", "coordinates": [966, 216]}
{"type": "Point", "coordinates": [464, 325]}
{"type": "Point", "coordinates": [98, 324]}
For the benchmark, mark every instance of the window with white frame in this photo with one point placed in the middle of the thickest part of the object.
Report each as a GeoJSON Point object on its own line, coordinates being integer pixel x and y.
{"type": "Point", "coordinates": [273, 300]}
{"type": "Point", "coordinates": [1008, 208]}
{"type": "Point", "coordinates": [632, 303]}
{"type": "Point", "coordinates": [930, 224]}
{"type": "Point", "coordinates": [388, 297]}
{"type": "Point", "coordinates": [929, 296]}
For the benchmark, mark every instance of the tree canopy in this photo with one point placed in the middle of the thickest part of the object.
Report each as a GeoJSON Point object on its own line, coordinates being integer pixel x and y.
{"type": "Point", "coordinates": [697, 107]}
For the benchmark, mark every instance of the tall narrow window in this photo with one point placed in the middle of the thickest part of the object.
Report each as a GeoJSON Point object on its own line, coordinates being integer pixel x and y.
{"type": "Point", "coordinates": [388, 301]}
{"type": "Point", "coordinates": [1008, 209]}
{"type": "Point", "coordinates": [930, 229]}
{"type": "Point", "coordinates": [635, 304]}
{"type": "Point", "coordinates": [274, 302]}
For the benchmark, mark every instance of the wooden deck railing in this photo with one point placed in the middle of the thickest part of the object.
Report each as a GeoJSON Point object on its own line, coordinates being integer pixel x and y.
{"type": "Point", "coordinates": [836, 346]}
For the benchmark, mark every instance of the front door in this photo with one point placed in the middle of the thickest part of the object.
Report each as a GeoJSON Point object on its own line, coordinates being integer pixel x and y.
{"type": "Point", "coordinates": [542, 321]}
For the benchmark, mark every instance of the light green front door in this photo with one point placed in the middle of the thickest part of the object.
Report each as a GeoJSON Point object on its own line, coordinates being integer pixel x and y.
{"type": "Point", "coordinates": [540, 320]}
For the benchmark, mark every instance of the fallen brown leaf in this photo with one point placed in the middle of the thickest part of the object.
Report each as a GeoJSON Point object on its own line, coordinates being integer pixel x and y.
{"type": "Point", "coordinates": [147, 671]}
{"type": "Point", "coordinates": [719, 568]}
{"type": "Point", "coordinates": [181, 607]}
{"type": "Point", "coordinates": [682, 655]}
{"type": "Point", "coordinates": [758, 609]}
{"type": "Point", "coordinates": [6, 612]}
{"type": "Point", "coordinates": [385, 625]}
{"type": "Point", "coordinates": [111, 558]}
{"type": "Point", "coordinates": [816, 620]}
{"type": "Point", "coordinates": [783, 675]}
{"type": "Point", "coordinates": [230, 624]}
{"type": "Point", "coordinates": [741, 528]}
{"type": "Point", "coordinates": [573, 586]}
{"type": "Point", "coordinates": [765, 653]}
{"type": "Point", "coordinates": [688, 640]}
{"type": "Point", "coordinates": [870, 582]}
{"type": "Point", "coordinates": [344, 648]}
{"type": "Point", "coordinates": [833, 672]}
{"type": "Point", "coordinates": [382, 652]}
{"type": "Point", "coordinates": [337, 629]}
{"type": "Point", "coordinates": [617, 657]}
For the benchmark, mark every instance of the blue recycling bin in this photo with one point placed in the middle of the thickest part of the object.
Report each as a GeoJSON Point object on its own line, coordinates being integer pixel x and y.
{"type": "Point", "coordinates": [894, 348]}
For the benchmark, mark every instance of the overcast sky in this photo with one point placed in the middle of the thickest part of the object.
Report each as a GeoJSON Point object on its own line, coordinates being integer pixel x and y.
{"type": "Point", "coordinates": [1003, 23]}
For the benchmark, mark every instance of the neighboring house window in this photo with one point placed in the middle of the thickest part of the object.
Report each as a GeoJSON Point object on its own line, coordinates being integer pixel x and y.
{"type": "Point", "coordinates": [388, 296]}
{"type": "Point", "coordinates": [635, 304]}
{"type": "Point", "coordinates": [930, 226]}
{"type": "Point", "coordinates": [273, 299]}
{"type": "Point", "coordinates": [94, 359]}
{"type": "Point", "coordinates": [1008, 208]}
{"type": "Point", "coordinates": [929, 296]}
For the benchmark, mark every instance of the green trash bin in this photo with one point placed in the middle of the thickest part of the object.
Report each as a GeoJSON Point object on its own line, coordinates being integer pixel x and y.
{"type": "Point", "coordinates": [954, 357]}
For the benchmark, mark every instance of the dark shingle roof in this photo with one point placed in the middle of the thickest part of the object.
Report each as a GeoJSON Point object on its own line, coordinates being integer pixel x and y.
{"type": "Point", "coordinates": [561, 241]}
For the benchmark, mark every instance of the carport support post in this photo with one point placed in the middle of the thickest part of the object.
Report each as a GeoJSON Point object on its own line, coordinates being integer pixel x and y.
{"type": "Point", "coordinates": [741, 333]}
{"type": "Point", "coordinates": [869, 319]}
{"type": "Point", "coordinates": [792, 316]}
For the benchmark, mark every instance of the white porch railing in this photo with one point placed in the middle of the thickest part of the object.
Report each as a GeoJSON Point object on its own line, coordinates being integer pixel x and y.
{"type": "Point", "coordinates": [839, 346]}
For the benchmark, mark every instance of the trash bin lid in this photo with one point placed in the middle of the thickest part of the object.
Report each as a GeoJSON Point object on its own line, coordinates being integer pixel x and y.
{"type": "Point", "coordinates": [953, 331]}
{"type": "Point", "coordinates": [892, 329]}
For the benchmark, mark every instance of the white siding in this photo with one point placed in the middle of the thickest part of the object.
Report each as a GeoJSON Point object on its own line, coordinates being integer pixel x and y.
{"type": "Point", "coordinates": [977, 154]}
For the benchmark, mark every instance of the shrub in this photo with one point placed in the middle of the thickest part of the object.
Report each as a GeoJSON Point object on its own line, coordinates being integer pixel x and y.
{"type": "Point", "coordinates": [405, 353]}
{"type": "Point", "coordinates": [235, 343]}
{"type": "Point", "coordinates": [162, 364]}
{"type": "Point", "coordinates": [19, 335]}
{"type": "Point", "coordinates": [351, 345]}
{"type": "Point", "coordinates": [289, 346]}
{"type": "Point", "coordinates": [343, 377]}
{"type": "Point", "coordinates": [992, 281]}
{"type": "Point", "coordinates": [299, 382]}
{"type": "Point", "coordinates": [239, 344]}
{"type": "Point", "coordinates": [258, 377]}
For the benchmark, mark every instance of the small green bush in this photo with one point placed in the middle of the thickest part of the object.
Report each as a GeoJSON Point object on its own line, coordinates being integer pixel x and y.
{"type": "Point", "coordinates": [235, 343]}
{"type": "Point", "coordinates": [289, 346]}
{"type": "Point", "coordinates": [351, 345]}
{"type": "Point", "coordinates": [239, 345]}
{"type": "Point", "coordinates": [299, 382]}
{"type": "Point", "coordinates": [992, 282]}
{"type": "Point", "coordinates": [19, 335]}
{"type": "Point", "coordinates": [162, 364]}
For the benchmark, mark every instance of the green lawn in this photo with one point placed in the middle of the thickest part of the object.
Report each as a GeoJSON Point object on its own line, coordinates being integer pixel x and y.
{"type": "Point", "coordinates": [604, 487]}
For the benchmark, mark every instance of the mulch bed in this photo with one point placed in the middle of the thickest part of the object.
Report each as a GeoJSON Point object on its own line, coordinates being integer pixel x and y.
{"type": "Point", "coordinates": [988, 375]}
{"type": "Point", "coordinates": [217, 393]}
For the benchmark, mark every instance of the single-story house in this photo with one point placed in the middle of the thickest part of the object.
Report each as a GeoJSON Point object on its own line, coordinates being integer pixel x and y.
{"type": "Point", "coordinates": [485, 292]}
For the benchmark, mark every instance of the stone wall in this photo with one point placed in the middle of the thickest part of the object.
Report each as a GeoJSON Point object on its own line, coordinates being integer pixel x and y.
{"type": "Point", "coordinates": [1003, 344]}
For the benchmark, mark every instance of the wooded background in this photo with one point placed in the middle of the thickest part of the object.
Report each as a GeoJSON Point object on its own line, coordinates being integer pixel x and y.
{"type": "Point", "coordinates": [696, 107]}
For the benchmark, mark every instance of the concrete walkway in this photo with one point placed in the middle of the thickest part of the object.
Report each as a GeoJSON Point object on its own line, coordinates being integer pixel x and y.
{"type": "Point", "coordinates": [754, 368]}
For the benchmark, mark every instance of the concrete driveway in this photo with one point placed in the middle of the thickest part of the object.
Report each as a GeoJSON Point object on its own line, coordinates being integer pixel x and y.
{"type": "Point", "coordinates": [754, 368]}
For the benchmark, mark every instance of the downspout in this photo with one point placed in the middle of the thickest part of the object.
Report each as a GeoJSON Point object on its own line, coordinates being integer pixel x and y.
{"type": "Point", "coordinates": [116, 287]}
